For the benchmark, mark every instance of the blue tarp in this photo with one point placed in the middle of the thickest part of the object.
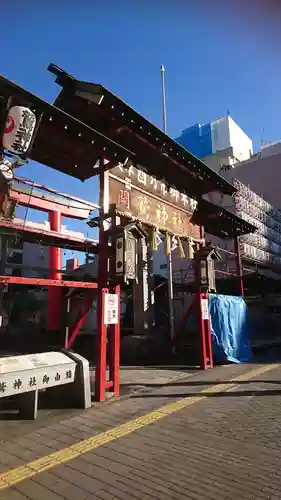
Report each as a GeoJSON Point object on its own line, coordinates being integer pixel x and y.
{"type": "Point", "coordinates": [229, 328]}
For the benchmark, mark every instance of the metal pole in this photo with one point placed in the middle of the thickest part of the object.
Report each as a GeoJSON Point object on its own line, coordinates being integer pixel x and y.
{"type": "Point", "coordinates": [169, 257]}
{"type": "Point", "coordinates": [171, 295]}
{"type": "Point", "coordinates": [164, 115]}
{"type": "Point", "coordinates": [239, 265]}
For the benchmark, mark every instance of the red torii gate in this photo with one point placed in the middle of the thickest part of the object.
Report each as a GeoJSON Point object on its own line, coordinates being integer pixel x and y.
{"type": "Point", "coordinates": [56, 207]}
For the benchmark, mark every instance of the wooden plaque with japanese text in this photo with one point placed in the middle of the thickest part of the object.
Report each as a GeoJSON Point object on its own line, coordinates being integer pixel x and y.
{"type": "Point", "coordinates": [142, 197]}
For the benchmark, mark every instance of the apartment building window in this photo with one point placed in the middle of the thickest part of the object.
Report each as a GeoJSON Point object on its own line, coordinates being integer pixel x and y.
{"type": "Point", "coordinates": [14, 258]}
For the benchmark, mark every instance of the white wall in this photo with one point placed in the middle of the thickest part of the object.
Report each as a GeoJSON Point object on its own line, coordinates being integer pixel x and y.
{"type": "Point", "coordinates": [227, 134]}
{"type": "Point", "coordinates": [216, 160]}
{"type": "Point", "coordinates": [241, 143]}
{"type": "Point", "coordinates": [220, 134]}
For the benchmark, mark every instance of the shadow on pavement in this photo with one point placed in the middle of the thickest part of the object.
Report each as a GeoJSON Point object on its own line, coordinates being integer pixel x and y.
{"type": "Point", "coordinates": [182, 395]}
{"type": "Point", "coordinates": [182, 368]}
{"type": "Point", "coordinates": [188, 383]}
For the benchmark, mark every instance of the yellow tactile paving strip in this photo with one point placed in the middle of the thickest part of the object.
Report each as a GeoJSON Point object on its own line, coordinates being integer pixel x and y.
{"type": "Point", "coordinates": [50, 461]}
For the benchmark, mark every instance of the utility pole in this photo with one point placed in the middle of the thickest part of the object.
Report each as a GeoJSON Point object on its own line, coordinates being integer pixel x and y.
{"type": "Point", "coordinates": [169, 257]}
{"type": "Point", "coordinates": [164, 114]}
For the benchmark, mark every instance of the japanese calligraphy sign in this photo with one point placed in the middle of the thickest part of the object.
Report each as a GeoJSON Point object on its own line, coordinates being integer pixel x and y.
{"type": "Point", "coordinates": [205, 309]}
{"type": "Point", "coordinates": [32, 372]}
{"type": "Point", "coordinates": [111, 306]}
{"type": "Point", "coordinates": [152, 210]}
{"type": "Point", "coordinates": [134, 177]}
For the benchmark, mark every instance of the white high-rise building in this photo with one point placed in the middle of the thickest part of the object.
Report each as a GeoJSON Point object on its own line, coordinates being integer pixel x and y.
{"type": "Point", "coordinates": [219, 142]}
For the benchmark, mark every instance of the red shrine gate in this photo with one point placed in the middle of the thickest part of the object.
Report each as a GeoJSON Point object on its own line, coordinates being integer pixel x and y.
{"type": "Point", "coordinates": [89, 132]}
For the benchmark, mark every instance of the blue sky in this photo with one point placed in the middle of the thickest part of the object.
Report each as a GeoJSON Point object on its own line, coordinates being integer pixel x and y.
{"type": "Point", "coordinates": [215, 60]}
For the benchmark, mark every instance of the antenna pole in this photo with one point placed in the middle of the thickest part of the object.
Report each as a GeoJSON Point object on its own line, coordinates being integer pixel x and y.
{"type": "Point", "coordinates": [169, 257]}
{"type": "Point", "coordinates": [164, 114]}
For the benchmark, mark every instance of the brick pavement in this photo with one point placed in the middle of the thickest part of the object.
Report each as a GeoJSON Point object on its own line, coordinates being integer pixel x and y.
{"type": "Point", "coordinates": [226, 445]}
{"type": "Point", "coordinates": [132, 379]}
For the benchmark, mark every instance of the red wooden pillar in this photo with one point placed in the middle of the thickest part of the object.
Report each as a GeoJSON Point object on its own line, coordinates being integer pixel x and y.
{"type": "Point", "coordinates": [101, 336]}
{"type": "Point", "coordinates": [100, 376]}
{"type": "Point", "coordinates": [202, 330]}
{"type": "Point", "coordinates": [206, 350]}
{"type": "Point", "coordinates": [201, 323]}
{"type": "Point", "coordinates": [114, 353]}
{"type": "Point", "coordinates": [239, 268]}
{"type": "Point", "coordinates": [55, 263]}
{"type": "Point", "coordinates": [208, 336]}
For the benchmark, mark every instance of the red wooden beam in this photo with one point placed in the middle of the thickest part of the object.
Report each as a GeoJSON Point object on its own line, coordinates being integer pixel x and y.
{"type": "Point", "coordinates": [15, 280]}
{"type": "Point", "coordinates": [49, 238]}
{"type": "Point", "coordinates": [77, 326]}
{"type": "Point", "coordinates": [89, 205]}
{"type": "Point", "coordinates": [190, 310]}
{"type": "Point", "coordinates": [45, 205]}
